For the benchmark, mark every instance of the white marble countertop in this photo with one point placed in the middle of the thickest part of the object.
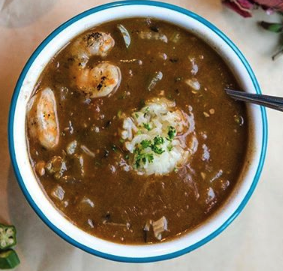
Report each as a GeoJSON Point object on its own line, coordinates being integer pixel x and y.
{"type": "Point", "coordinates": [254, 241]}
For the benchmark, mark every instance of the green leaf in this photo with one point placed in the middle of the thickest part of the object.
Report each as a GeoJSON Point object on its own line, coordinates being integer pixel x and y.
{"type": "Point", "coordinates": [273, 27]}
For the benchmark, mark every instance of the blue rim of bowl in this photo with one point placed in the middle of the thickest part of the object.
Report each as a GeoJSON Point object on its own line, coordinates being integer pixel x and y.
{"type": "Point", "coordinates": [11, 132]}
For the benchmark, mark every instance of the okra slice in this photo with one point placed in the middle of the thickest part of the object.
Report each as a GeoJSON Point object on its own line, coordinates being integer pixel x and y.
{"type": "Point", "coordinates": [9, 259]}
{"type": "Point", "coordinates": [7, 236]}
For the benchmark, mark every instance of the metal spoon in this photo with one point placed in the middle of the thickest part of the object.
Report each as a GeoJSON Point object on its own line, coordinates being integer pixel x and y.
{"type": "Point", "coordinates": [265, 100]}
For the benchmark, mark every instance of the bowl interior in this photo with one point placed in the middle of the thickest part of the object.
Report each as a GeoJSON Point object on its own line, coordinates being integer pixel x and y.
{"type": "Point", "coordinates": [18, 145]}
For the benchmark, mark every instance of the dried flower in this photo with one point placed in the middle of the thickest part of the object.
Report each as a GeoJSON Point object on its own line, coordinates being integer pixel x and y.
{"type": "Point", "coordinates": [245, 7]}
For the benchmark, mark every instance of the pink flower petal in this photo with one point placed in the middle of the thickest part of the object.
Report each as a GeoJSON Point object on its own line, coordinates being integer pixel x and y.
{"type": "Point", "coordinates": [236, 6]}
{"type": "Point", "coordinates": [274, 4]}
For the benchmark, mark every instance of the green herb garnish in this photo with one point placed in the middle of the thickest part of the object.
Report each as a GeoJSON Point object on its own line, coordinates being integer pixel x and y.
{"type": "Point", "coordinates": [155, 146]}
{"type": "Point", "coordinates": [158, 140]}
{"type": "Point", "coordinates": [145, 144]}
{"type": "Point", "coordinates": [150, 157]}
{"type": "Point", "coordinates": [171, 133]}
{"type": "Point", "coordinates": [157, 150]}
{"type": "Point", "coordinates": [146, 126]}
{"type": "Point", "coordinates": [143, 157]}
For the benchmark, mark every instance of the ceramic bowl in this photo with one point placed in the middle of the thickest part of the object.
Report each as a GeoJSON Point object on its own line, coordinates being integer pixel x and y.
{"type": "Point", "coordinates": [18, 144]}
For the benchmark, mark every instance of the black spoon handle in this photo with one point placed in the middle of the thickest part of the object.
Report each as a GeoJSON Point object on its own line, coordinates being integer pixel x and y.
{"type": "Point", "coordinates": [264, 100]}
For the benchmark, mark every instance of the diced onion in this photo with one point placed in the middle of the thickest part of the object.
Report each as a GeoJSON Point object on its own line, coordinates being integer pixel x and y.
{"type": "Point", "coordinates": [125, 34]}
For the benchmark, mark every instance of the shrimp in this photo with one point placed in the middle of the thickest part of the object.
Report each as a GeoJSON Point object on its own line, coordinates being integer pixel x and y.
{"type": "Point", "coordinates": [92, 44]}
{"type": "Point", "coordinates": [42, 118]}
{"type": "Point", "coordinates": [99, 81]}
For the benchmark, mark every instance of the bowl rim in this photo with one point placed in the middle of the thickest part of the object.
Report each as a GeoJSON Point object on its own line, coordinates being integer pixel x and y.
{"type": "Point", "coordinates": [11, 131]}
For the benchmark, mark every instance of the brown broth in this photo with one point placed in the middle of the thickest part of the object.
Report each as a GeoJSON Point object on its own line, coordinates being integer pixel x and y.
{"type": "Point", "coordinates": [124, 201]}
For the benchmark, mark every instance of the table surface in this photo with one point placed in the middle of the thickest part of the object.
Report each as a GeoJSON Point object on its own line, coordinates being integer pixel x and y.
{"type": "Point", "coordinates": [254, 241]}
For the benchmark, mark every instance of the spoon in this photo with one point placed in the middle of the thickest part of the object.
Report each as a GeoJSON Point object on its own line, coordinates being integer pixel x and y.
{"type": "Point", "coordinates": [264, 100]}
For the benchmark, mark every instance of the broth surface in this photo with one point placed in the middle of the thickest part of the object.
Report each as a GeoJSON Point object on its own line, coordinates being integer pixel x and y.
{"type": "Point", "coordinates": [88, 175]}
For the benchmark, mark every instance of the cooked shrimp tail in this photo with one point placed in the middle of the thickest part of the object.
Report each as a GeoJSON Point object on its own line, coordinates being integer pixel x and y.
{"type": "Point", "coordinates": [102, 80]}
{"type": "Point", "coordinates": [43, 120]}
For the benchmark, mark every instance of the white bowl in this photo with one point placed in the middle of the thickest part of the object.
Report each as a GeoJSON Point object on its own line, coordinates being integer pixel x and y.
{"type": "Point", "coordinates": [18, 145]}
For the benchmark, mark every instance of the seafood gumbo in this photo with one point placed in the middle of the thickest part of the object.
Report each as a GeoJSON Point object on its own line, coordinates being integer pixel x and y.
{"type": "Point", "coordinates": [131, 134]}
